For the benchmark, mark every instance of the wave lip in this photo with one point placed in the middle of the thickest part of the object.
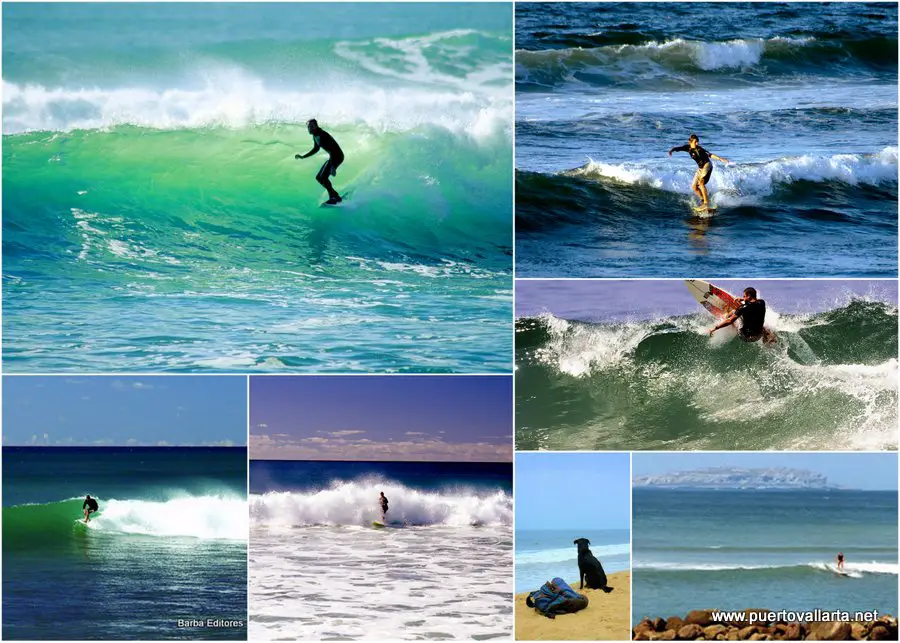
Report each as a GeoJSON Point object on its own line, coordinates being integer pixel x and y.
{"type": "Point", "coordinates": [246, 101]}
{"type": "Point", "coordinates": [202, 517]}
{"type": "Point", "coordinates": [682, 62]}
{"type": "Point", "coordinates": [355, 504]}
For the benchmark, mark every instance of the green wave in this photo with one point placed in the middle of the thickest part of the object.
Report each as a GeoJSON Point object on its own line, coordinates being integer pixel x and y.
{"type": "Point", "coordinates": [42, 525]}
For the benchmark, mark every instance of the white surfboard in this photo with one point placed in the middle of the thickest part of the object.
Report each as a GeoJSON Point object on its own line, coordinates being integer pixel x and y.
{"type": "Point", "coordinates": [720, 303]}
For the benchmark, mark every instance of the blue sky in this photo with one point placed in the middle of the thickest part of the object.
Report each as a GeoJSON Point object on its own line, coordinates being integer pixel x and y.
{"type": "Point", "coordinates": [572, 490]}
{"type": "Point", "coordinates": [868, 471]}
{"type": "Point", "coordinates": [424, 418]}
{"type": "Point", "coordinates": [170, 410]}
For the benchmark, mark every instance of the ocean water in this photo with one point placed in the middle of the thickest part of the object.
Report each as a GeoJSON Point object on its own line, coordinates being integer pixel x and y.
{"type": "Point", "coordinates": [155, 218]}
{"type": "Point", "coordinates": [763, 549]}
{"type": "Point", "coordinates": [629, 365]}
{"type": "Point", "coordinates": [543, 554]}
{"type": "Point", "coordinates": [169, 543]}
{"type": "Point", "coordinates": [441, 569]}
{"type": "Point", "coordinates": [801, 98]}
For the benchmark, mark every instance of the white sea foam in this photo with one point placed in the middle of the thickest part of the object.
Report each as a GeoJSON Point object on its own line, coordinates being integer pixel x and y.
{"type": "Point", "coordinates": [743, 182]}
{"type": "Point", "coordinates": [709, 56]}
{"type": "Point", "coordinates": [203, 517]}
{"type": "Point", "coordinates": [569, 554]}
{"type": "Point", "coordinates": [394, 85]}
{"type": "Point", "coordinates": [348, 582]}
{"type": "Point", "coordinates": [354, 504]}
{"type": "Point", "coordinates": [856, 570]}
{"type": "Point", "coordinates": [245, 102]}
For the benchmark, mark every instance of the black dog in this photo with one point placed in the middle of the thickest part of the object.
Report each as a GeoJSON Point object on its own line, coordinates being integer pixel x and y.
{"type": "Point", "coordinates": [589, 568]}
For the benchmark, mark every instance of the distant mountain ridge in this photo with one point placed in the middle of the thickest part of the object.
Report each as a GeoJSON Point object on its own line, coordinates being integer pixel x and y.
{"type": "Point", "coordinates": [733, 478]}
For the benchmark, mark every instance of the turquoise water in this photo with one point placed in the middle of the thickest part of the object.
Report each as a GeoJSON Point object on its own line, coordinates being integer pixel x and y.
{"type": "Point", "coordinates": [155, 218]}
{"type": "Point", "coordinates": [763, 549]}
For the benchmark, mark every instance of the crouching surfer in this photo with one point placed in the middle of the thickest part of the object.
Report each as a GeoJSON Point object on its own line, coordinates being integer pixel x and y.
{"type": "Point", "coordinates": [90, 506]}
{"type": "Point", "coordinates": [753, 313]}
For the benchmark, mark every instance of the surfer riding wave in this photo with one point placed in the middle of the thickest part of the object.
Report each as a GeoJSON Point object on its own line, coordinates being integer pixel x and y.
{"type": "Point", "coordinates": [752, 312]}
{"type": "Point", "coordinates": [322, 140]}
{"type": "Point", "coordinates": [90, 506]}
{"type": "Point", "coordinates": [704, 166]}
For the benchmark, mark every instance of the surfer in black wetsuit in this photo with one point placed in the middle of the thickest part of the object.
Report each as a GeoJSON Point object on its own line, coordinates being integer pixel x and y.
{"type": "Point", "coordinates": [89, 507]}
{"type": "Point", "coordinates": [752, 312]}
{"type": "Point", "coordinates": [840, 561]}
{"type": "Point", "coordinates": [323, 141]}
{"type": "Point", "coordinates": [384, 506]}
{"type": "Point", "coordinates": [704, 166]}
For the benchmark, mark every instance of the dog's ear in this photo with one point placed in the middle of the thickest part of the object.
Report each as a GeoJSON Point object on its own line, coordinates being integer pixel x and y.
{"type": "Point", "coordinates": [587, 542]}
{"type": "Point", "coordinates": [575, 542]}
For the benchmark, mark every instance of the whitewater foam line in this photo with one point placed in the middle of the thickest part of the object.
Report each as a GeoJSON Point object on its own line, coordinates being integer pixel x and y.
{"type": "Point", "coordinates": [706, 56]}
{"type": "Point", "coordinates": [858, 569]}
{"type": "Point", "coordinates": [736, 182]}
{"type": "Point", "coordinates": [202, 517]}
{"type": "Point", "coordinates": [566, 554]}
{"type": "Point", "coordinates": [242, 101]}
{"type": "Point", "coordinates": [356, 504]}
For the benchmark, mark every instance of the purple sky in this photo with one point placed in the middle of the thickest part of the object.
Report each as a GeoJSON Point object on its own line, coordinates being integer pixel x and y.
{"type": "Point", "coordinates": [386, 417]}
{"type": "Point", "coordinates": [595, 300]}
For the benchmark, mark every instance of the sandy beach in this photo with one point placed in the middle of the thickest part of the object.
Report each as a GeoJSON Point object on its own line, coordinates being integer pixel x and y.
{"type": "Point", "coordinates": [606, 618]}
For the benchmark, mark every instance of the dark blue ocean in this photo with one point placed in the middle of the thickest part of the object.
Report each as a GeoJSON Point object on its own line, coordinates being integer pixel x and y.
{"type": "Point", "coordinates": [168, 543]}
{"type": "Point", "coordinates": [801, 99]}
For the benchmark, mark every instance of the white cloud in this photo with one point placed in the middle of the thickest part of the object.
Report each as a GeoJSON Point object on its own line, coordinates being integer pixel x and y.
{"type": "Point", "coordinates": [266, 447]}
{"type": "Point", "coordinates": [162, 443]}
{"type": "Point", "coordinates": [340, 434]}
{"type": "Point", "coordinates": [263, 425]}
{"type": "Point", "coordinates": [414, 433]}
{"type": "Point", "coordinates": [131, 442]}
{"type": "Point", "coordinates": [220, 443]}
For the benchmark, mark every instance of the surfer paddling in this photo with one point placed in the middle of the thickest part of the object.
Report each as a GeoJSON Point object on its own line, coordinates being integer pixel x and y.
{"type": "Point", "coordinates": [89, 507]}
{"type": "Point", "coordinates": [704, 166]}
{"type": "Point", "coordinates": [752, 312]}
{"type": "Point", "coordinates": [322, 140]}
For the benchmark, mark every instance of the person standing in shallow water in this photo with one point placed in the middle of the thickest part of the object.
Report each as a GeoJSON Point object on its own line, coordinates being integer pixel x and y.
{"type": "Point", "coordinates": [322, 140]}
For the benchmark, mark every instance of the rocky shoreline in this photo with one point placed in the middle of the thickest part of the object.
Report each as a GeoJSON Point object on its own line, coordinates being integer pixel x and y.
{"type": "Point", "coordinates": [699, 625]}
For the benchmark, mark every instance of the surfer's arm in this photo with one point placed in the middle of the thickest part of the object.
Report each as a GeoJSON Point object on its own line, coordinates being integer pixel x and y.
{"type": "Point", "coordinates": [728, 321]}
{"type": "Point", "coordinates": [680, 148]}
{"type": "Point", "coordinates": [719, 158]}
{"type": "Point", "coordinates": [315, 149]}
